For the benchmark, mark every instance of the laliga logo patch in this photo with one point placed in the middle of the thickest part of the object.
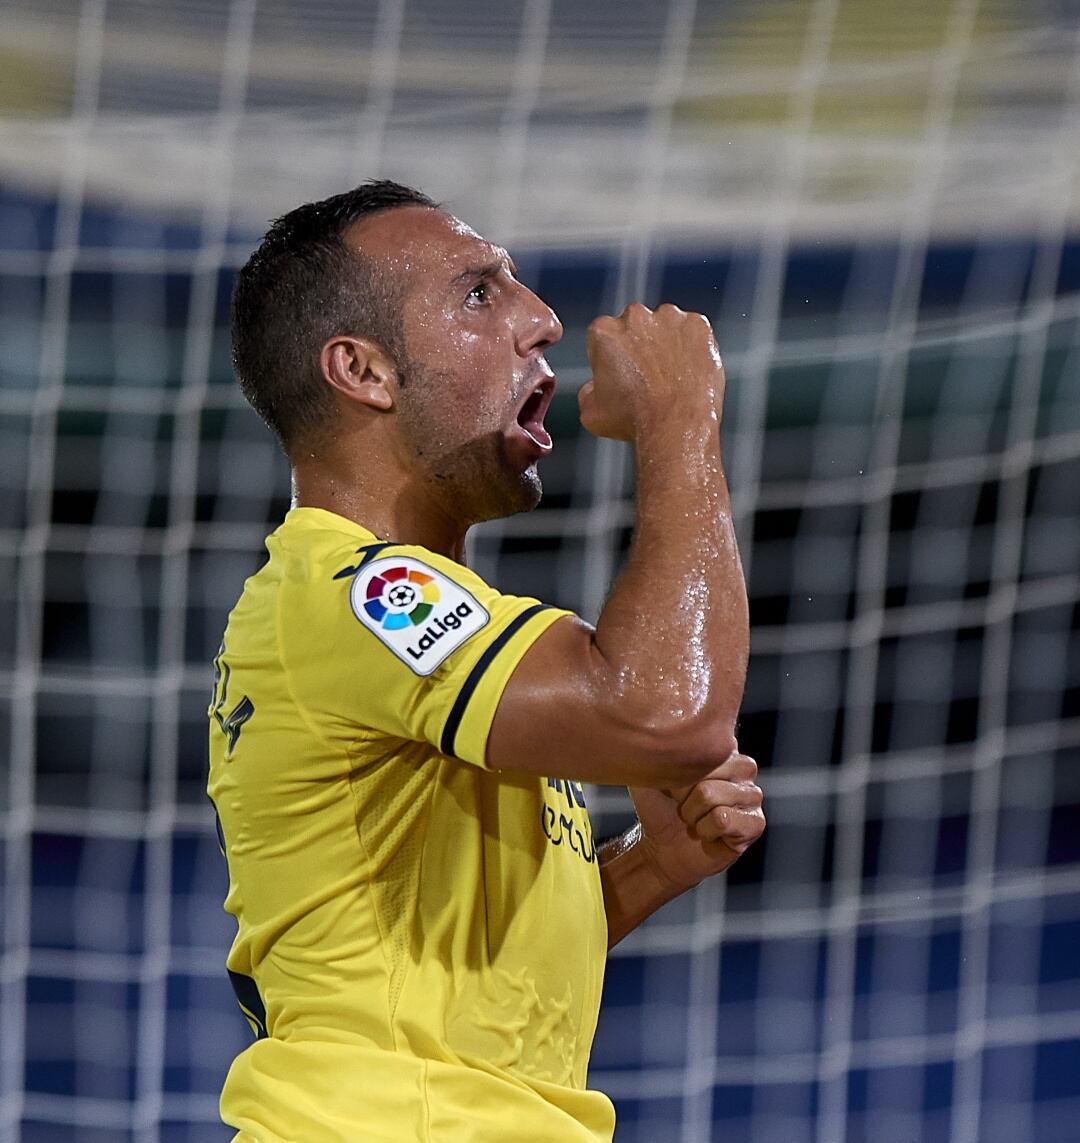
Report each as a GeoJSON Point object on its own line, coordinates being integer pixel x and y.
{"type": "Point", "coordinates": [399, 597]}
{"type": "Point", "coordinates": [420, 614]}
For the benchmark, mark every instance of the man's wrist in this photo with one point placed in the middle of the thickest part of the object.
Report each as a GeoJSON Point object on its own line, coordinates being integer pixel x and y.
{"type": "Point", "coordinates": [618, 846]}
{"type": "Point", "coordinates": [637, 859]}
{"type": "Point", "coordinates": [692, 418]}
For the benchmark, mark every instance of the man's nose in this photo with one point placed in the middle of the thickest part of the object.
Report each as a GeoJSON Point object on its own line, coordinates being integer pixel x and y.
{"type": "Point", "coordinates": [540, 326]}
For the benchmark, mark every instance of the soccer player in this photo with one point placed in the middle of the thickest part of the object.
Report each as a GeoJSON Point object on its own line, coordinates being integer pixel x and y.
{"type": "Point", "coordinates": [397, 748]}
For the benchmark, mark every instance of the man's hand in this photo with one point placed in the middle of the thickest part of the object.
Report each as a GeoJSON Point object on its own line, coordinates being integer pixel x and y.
{"type": "Point", "coordinates": [693, 833]}
{"type": "Point", "coordinates": [650, 364]}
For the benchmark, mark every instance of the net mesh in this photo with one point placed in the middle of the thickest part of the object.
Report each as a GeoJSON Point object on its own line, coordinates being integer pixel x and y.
{"type": "Point", "coordinates": [878, 206]}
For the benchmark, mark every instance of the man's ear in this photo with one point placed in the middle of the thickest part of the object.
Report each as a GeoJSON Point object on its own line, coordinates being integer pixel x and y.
{"type": "Point", "coordinates": [360, 370]}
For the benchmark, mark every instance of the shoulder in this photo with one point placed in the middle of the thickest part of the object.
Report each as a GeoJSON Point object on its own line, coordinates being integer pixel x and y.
{"type": "Point", "coordinates": [339, 581]}
{"type": "Point", "coordinates": [313, 546]}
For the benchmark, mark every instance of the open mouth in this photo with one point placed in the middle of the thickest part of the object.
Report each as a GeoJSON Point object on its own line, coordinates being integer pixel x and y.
{"type": "Point", "coordinates": [531, 414]}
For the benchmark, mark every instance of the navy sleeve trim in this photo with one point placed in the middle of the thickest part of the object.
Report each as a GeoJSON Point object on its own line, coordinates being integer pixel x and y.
{"type": "Point", "coordinates": [251, 1003]}
{"type": "Point", "coordinates": [457, 711]}
{"type": "Point", "coordinates": [370, 552]}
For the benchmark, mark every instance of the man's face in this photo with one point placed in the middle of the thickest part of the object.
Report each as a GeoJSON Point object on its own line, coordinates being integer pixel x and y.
{"type": "Point", "coordinates": [474, 385]}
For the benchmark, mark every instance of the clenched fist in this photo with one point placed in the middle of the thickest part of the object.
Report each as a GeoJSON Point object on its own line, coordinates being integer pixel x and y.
{"type": "Point", "coordinates": [648, 365]}
{"type": "Point", "coordinates": [701, 830]}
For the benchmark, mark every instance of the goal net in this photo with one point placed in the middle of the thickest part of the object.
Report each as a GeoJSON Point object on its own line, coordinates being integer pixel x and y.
{"type": "Point", "coordinates": [878, 206]}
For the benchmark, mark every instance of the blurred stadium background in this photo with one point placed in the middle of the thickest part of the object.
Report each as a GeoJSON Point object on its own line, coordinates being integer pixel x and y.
{"type": "Point", "coordinates": [878, 205]}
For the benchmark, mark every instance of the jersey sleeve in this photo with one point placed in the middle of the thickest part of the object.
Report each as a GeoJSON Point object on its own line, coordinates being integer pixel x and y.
{"type": "Point", "coordinates": [401, 642]}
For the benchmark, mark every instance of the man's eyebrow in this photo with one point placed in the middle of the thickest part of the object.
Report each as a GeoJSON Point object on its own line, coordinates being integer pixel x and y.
{"type": "Point", "coordinates": [481, 272]}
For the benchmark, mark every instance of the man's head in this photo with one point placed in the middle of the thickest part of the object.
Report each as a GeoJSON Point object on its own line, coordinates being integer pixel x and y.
{"type": "Point", "coordinates": [413, 331]}
{"type": "Point", "coordinates": [300, 287]}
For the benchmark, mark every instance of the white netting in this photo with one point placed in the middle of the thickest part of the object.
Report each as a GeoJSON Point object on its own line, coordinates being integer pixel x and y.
{"type": "Point", "coordinates": [879, 207]}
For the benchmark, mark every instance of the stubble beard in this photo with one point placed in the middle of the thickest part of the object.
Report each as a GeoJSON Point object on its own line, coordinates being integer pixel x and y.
{"type": "Point", "coordinates": [469, 469]}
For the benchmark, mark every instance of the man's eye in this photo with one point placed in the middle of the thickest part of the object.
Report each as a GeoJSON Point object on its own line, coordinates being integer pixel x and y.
{"type": "Point", "coordinates": [480, 292]}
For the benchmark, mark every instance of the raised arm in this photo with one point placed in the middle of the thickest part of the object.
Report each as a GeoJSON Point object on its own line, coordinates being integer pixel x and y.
{"type": "Point", "coordinates": [650, 696]}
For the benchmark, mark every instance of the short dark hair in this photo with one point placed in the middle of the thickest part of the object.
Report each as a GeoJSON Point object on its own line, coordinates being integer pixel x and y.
{"type": "Point", "coordinates": [300, 287]}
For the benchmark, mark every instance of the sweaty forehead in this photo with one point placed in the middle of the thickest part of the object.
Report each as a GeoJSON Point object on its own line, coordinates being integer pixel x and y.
{"type": "Point", "coordinates": [421, 240]}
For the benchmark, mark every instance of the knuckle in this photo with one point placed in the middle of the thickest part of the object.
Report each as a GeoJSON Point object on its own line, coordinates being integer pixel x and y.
{"type": "Point", "coordinates": [750, 826]}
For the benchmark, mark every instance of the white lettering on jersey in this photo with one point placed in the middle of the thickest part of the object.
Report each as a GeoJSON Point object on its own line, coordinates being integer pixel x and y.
{"type": "Point", "coordinates": [416, 611]}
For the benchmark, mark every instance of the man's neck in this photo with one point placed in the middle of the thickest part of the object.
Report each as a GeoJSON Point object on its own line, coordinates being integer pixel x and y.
{"type": "Point", "coordinates": [399, 515]}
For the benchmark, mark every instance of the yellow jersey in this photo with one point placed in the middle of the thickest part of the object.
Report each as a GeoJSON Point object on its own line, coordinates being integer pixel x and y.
{"type": "Point", "coordinates": [420, 940]}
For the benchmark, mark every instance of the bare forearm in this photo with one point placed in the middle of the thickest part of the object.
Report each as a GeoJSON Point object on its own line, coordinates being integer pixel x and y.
{"type": "Point", "coordinates": [673, 634]}
{"type": "Point", "coordinates": [648, 697]}
{"type": "Point", "coordinates": [633, 889]}
{"type": "Point", "coordinates": [676, 624]}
